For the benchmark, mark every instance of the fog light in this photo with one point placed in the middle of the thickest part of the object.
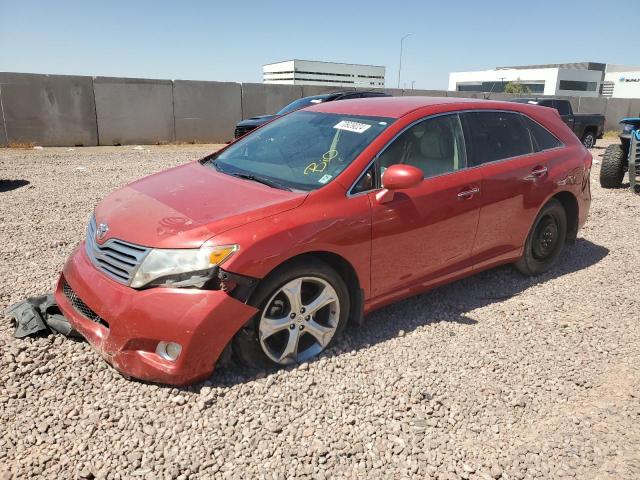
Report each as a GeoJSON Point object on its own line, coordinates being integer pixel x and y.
{"type": "Point", "coordinates": [169, 350]}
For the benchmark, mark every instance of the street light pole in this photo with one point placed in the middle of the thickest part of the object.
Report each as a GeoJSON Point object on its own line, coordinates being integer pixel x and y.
{"type": "Point", "coordinates": [400, 66]}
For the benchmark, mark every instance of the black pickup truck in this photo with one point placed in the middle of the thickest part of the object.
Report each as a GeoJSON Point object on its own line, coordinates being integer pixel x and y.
{"type": "Point", "coordinates": [588, 127]}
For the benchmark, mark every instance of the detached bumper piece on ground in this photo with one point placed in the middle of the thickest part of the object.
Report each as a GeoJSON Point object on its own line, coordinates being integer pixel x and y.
{"type": "Point", "coordinates": [39, 314]}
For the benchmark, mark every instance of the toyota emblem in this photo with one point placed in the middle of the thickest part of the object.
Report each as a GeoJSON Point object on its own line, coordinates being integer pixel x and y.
{"type": "Point", "coordinates": [101, 231]}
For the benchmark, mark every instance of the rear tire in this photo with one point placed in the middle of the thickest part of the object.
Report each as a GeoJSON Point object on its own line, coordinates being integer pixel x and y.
{"type": "Point", "coordinates": [613, 167]}
{"type": "Point", "coordinates": [286, 319]}
{"type": "Point", "coordinates": [545, 240]}
{"type": "Point", "coordinates": [589, 139]}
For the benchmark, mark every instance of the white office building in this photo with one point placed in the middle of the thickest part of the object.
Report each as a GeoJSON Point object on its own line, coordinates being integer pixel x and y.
{"type": "Point", "coordinates": [621, 81]}
{"type": "Point", "coordinates": [330, 74]}
{"type": "Point", "coordinates": [572, 79]}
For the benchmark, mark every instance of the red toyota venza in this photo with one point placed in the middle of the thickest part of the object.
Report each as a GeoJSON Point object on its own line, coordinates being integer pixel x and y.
{"type": "Point", "coordinates": [271, 245]}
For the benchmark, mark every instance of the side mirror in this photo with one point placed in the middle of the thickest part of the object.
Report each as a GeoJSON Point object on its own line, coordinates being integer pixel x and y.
{"type": "Point", "coordinates": [398, 177]}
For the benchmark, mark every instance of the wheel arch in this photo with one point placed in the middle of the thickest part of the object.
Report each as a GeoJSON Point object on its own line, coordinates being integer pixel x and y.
{"type": "Point", "coordinates": [570, 204]}
{"type": "Point", "coordinates": [344, 268]}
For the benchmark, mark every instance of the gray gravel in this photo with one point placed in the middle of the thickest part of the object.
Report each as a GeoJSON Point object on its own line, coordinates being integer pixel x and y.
{"type": "Point", "coordinates": [495, 376]}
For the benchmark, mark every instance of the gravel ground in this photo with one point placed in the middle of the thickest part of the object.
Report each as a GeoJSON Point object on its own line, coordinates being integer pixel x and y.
{"type": "Point", "coordinates": [495, 376]}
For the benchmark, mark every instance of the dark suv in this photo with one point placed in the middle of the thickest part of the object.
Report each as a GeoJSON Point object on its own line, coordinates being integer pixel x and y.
{"type": "Point", "coordinates": [254, 122]}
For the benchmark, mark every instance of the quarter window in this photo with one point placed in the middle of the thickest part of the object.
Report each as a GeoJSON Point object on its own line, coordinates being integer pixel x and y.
{"type": "Point", "coordinates": [367, 181]}
{"type": "Point", "coordinates": [496, 136]}
{"type": "Point", "coordinates": [435, 145]}
{"type": "Point", "coordinates": [542, 138]}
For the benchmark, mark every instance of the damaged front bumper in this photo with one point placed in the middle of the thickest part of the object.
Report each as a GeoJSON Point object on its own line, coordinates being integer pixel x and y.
{"type": "Point", "coordinates": [125, 325]}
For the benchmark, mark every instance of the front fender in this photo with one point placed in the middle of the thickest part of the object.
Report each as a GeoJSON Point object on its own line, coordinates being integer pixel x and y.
{"type": "Point", "coordinates": [341, 226]}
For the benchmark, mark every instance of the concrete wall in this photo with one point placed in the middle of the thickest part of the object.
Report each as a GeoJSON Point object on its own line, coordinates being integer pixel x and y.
{"type": "Point", "coordinates": [424, 93]}
{"type": "Point", "coordinates": [467, 95]}
{"type": "Point", "coordinates": [592, 105]}
{"type": "Point", "coordinates": [396, 92]}
{"type": "Point", "coordinates": [133, 110]}
{"type": "Point", "coordinates": [47, 110]}
{"type": "Point", "coordinates": [206, 112]}
{"type": "Point", "coordinates": [617, 108]}
{"type": "Point", "coordinates": [264, 99]}
{"type": "Point", "coordinates": [62, 110]}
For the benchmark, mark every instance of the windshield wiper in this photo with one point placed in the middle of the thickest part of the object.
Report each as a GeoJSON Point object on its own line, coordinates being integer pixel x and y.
{"type": "Point", "coordinates": [263, 180]}
{"type": "Point", "coordinates": [248, 176]}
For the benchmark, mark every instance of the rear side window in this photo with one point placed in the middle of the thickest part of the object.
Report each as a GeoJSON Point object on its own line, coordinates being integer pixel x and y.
{"type": "Point", "coordinates": [542, 138]}
{"type": "Point", "coordinates": [496, 136]}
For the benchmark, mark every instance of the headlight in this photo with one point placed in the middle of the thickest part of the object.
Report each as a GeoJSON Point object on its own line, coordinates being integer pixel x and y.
{"type": "Point", "coordinates": [627, 128]}
{"type": "Point", "coordinates": [181, 267]}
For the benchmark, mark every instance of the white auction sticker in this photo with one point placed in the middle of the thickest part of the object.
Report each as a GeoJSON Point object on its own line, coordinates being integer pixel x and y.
{"type": "Point", "coordinates": [325, 179]}
{"type": "Point", "coordinates": [350, 126]}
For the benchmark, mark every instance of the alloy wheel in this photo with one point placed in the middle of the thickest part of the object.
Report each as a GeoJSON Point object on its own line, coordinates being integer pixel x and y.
{"type": "Point", "coordinates": [299, 320]}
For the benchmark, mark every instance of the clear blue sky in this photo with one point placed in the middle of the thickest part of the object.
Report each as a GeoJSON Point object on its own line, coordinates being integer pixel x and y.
{"type": "Point", "coordinates": [231, 40]}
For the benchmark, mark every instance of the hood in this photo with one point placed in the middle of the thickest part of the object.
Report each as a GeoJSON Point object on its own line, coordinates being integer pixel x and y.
{"type": "Point", "coordinates": [256, 121]}
{"type": "Point", "coordinates": [185, 206]}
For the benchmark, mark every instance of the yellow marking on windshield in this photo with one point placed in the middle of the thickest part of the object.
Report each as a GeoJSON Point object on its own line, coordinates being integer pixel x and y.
{"type": "Point", "coordinates": [317, 167]}
{"type": "Point", "coordinates": [329, 155]}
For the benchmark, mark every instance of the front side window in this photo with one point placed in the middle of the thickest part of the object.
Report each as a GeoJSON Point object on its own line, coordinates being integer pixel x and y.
{"type": "Point", "coordinates": [435, 145]}
{"type": "Point", "coordinates": [302, 150]}
{"type": "Point", "coordinates": [496, 136]}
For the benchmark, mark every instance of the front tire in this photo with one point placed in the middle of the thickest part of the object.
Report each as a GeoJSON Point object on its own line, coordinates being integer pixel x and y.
{"type": "Point", "coordinates": [545, 240]}
{"type": "Point", "coordinates": [304, 307]}
{"type": "Point", "coordinates": [613, 167]}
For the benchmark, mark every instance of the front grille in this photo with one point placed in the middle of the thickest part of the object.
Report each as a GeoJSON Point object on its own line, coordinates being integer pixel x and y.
{"type": "Point", "coordinates": [80, 306]}
{"type": "Point", "coordinates": [117, 259]}
{"type": "Point", "coordinates": [241, 130]}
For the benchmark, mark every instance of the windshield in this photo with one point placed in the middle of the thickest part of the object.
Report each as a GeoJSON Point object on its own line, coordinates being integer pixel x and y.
{"type": "Point", "coordinates": [301, 103]}
{"type": "Point", "coordinates": [303, 150]}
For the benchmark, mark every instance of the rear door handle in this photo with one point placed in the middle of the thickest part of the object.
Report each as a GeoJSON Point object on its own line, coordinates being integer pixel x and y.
{"type": "Point", "coordinates": [468, 193]}
{"type": "Point", "coordinates": [536, 173]}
